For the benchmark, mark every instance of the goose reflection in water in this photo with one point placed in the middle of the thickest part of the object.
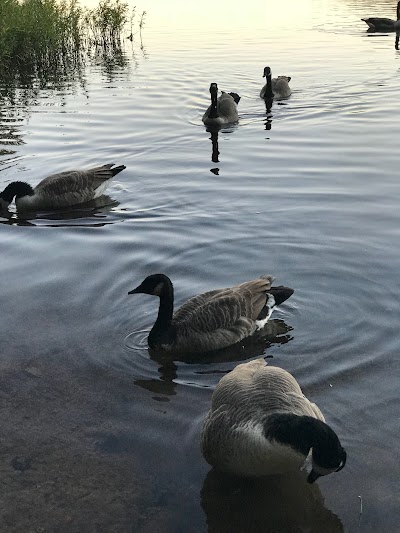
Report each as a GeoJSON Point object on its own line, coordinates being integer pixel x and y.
{"type": "Point", "coordinates": [281, 503]}
{"type": "Point", "coordinates": [274, 332]}
{"type": "Point", "coordinates": [97, 208]}
{"type": "Point", "coordinates": [215, 153]}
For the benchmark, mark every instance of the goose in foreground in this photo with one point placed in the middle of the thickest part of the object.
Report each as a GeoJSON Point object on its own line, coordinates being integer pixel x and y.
{"type": "Point", "coordinates": [223, 110]}
{"type": "Point", "coordinates": [384, 24]}
{"type": "Point", "coordinates": [64, 189]}
{"type": "Point", "coordinates": [260, 423]}
{"type": "Point", "coordinates": [212, 320]}
{"type": "Point", "coordinates": [275, 87]}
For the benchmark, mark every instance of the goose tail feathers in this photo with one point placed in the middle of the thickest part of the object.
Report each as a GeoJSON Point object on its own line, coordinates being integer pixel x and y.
{"type": "Point", "coordinates": [280, 293]}
{"type": "Point", "coordinates": [116, 170]}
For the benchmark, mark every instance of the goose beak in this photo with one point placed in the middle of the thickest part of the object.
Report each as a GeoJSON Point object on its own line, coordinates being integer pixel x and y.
{"type": "Point", "coordinates": [313, 476]}
{"type": "Point", "coordinates": [135, 291]}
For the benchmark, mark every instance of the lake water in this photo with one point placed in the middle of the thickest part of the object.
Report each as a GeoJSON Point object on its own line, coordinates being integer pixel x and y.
{"type": "Point", "coordinates": [97, 435]}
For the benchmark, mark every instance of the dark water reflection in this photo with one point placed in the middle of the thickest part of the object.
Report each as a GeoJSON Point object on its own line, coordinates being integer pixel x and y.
{"type": "Point", "coordinates": [87, 214]}
{"type": "Point", "coordinates": [306, 189]}
{"type": "Point", "coordinates": [278, 503]}
{"type": "Point", "coordinates": [276, 332]}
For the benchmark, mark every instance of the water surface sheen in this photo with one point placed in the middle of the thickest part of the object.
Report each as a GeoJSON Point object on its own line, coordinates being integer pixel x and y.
{"type": "Point", "coordinates": [309, 194]}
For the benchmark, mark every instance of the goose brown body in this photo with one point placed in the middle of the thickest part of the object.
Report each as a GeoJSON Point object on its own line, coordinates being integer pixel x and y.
{"type": "Point", "coordinates": [276, 87]}
{"type": "Point", "coordinates": [63, 189]}
{"type": "Point", "coordinates": [223, 110]}
{"type": "Point", "coordinates": [212, 320]}
{"type": "Point", "coordinates": [384, 24]}
{"type": "Point", "coordinates": [260, 423]}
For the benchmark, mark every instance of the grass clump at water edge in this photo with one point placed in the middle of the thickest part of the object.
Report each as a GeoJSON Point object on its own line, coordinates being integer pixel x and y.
{"type": "Point", "coordinates": [34, 34]}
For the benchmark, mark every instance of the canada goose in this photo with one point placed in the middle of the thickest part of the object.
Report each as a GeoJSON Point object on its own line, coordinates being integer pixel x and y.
{"type": "Point", "coordinates": [260, 423]}
{"type": "Point", "coordinates": [384, 24]}
{"type": "Point", "coordinates": [223, 110]}
{"type": "Point", "coordinates": [275, 87]}
{"type": "Point", "coordinates": [60, 190]}
{"type": "Point", "coordinates": [212, 320]}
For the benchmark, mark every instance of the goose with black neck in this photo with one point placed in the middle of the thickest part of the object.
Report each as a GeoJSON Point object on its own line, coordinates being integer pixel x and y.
{"type": "Point", "coordinates": [212, 320]}
{"type": "Point", "coordinates": [64, 189]}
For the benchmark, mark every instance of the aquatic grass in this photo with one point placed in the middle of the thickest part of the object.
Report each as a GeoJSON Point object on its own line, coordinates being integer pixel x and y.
{"type": "Point", "coordinates": [107, 20]}
{"type": "Point", "coordinates": [43, 35]}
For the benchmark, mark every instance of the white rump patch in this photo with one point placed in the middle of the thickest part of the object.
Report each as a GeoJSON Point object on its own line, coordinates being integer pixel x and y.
{"type": "Point", "coordinates": [271, 305]}
{"type": "Point", "coordinates": [101, 188]}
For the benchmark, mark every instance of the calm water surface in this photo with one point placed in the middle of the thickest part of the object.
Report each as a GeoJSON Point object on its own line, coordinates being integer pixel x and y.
{"type": "Point", "coordinates": [309, 194]}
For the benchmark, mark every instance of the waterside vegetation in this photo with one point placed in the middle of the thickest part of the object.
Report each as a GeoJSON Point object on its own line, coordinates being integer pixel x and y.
{"type": "Point", "coordinates": [35, 35]}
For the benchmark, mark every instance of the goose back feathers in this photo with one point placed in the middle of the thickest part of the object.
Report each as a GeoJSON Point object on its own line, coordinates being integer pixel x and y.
{"type": "Point", "coordinates": [212, 320]}
{"type": "Point", "coordinates": [260, 423]}
{"type": "Point", "coordinates": [223, 110]}
{"type": "Point", "coordinates": [63, 189]}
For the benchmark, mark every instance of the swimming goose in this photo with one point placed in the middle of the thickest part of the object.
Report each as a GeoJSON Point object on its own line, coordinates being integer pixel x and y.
{"type": "Point", "coordinates": [60, 190]}
{"type": "Point", "coordinates": [223, 110]}
{"type": "Point", "coordinates": [212, 320]}
{"type": "Point", "coordinates": [260, 423]}
{"type": "Point", "coordinates": [275, 87]}
{"type": "Point", "coordinates": [384, 24]}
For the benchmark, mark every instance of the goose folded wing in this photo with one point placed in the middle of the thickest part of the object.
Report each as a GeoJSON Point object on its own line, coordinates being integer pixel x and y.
{"type": "Point", "coordinates": [196, 302]}
{"type": "Point", "coordinates": [76, 180]}
{"type": "Point", "coordinates": [221, 313]}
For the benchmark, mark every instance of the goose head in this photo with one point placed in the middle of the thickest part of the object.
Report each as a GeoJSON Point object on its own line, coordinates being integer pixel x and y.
{"type": "Point", "coordinates": [155, 285]}
{"type": "Point", "coordinates": [267, 72]}
{"type": "Point", "coordinates": [17, 189]}
{"type": "Point", "coordinates": [328, 455]}
{"type": "Point", "coordinates": [214, 91]}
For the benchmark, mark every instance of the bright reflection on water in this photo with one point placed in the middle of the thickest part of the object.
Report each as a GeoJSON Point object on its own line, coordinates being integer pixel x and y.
{"type": "Point", "coordinates": [307, 191]}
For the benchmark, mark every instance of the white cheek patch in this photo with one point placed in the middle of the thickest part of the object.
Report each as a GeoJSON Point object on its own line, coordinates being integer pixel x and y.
{"type": "Point", "coordinates": [158, 289]}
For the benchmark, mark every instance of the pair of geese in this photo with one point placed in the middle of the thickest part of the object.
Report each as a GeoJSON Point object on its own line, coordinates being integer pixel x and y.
{"type": "Point", "coordinates": [260, 423]}
{"type": "Point", "coordinates": [223, 110]}
{"type": "Point", "coordinates": [384, 24]}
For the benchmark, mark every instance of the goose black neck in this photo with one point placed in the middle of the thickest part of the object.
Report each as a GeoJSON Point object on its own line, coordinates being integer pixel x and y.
{"type": "Point", "coordinates": [17, 189]}
{"type": "Point", "coordinates": [161, 331]}
{"type": "Point", "coordinates": [398, 11]}
{"type": "Point", "coordinates": [302, 433]}
{"type": "Point", "coordinates": [213, 110]}
{"type": "Point", "coordinates": [268, 91]}
{"type": "Point", "coordinates": [292, 430]}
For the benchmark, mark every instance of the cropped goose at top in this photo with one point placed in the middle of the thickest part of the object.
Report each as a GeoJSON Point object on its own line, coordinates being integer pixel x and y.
{"type": "Point", "coordinates": [275, 87]}
{"type": "Point", "coordinates": [260, 423]}
{"type": "Point", "coordinates": [384, 24]}
{"type": "Point", "coordinates": [64, 189]}
{"type": "Point", "coordinates": [223, 110]}
{"type": "Point", "coordinates": [212, 320]}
